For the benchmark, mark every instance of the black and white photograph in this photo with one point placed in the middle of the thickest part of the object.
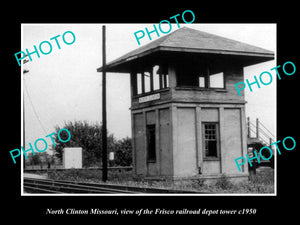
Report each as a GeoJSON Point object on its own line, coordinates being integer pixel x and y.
{"type": "Point", "coordinates": [182, 110]}
{"type": "Point", "coordinates": [172, 112]}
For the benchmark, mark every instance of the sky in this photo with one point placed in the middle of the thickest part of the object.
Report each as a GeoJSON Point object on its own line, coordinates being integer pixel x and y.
{"type": "Point", "coordinates": [65, 86]}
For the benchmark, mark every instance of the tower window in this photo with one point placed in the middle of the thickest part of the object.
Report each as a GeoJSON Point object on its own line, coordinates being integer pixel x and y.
{"type": "Point", "coordinates": [151, 79]}
{"type": "Point", "coordinates": [151, 143]}
{"type": "Point", "coordinates": [216, 80]}
{"type": "Point", "coordinates": [211, 140]}
{"type": "Point", "coordinates": [199, 75]}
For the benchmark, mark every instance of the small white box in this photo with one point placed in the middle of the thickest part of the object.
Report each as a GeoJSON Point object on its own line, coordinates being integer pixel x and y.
{"type": "Point", "coordinates": [72, 158]}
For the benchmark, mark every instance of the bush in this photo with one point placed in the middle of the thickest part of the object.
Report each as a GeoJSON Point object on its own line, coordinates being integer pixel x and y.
{"type": "Point", "coordinates": [223, 183]}
{"type": "Point", "coordinates": [123, 150]}
{"type": "Point", "coordinates": [86, 135]}
{"type": "Point", "coordinates": [262, 182]}
{"type": "Point", "coordinates": [88, 175]}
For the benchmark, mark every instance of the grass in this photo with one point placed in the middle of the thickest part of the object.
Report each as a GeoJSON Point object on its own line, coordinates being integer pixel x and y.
{"type": "Point", "coordinates": [262, 182]}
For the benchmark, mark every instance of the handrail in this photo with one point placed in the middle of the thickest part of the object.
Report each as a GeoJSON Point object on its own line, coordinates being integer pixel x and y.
{"type": "Point", "coordinates": [266, 129]}
{"type": "Point", "coordinates": [262, 133]}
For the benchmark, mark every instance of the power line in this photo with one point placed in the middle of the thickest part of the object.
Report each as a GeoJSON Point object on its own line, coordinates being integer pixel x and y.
{"type": "Point", "coordinates": [34, 110]}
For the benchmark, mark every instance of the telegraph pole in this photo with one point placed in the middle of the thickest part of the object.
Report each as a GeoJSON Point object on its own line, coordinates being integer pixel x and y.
{"type": "Point", "coordinates": [24, 71]}
{"type": "Point", "coordinates": [104, 129]}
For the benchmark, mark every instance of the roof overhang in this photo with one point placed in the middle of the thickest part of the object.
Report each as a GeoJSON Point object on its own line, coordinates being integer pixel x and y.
{"type": "Point", "coordinates": [123, 64]}
{"type": "Point", "coordinates": [186, 41]}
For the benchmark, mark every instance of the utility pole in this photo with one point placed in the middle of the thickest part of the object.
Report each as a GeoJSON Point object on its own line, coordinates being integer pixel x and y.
{"type": "Point", "coordinates": [24, 71]}
{"type": "Point", "coordinates": [104, 129]}
{"type": "Point", "coordinates": [23, 122]}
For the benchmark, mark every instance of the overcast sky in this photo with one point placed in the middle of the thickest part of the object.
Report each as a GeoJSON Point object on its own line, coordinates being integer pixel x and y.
{"type": "Point", "coordinates": [64, 85]}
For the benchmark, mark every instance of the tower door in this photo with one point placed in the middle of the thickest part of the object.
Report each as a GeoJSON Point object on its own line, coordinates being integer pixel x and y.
{"type": "Point", "coordinates": [159, 158]}
{"type": "Point", "coordinates": [152, 152]}
{"type": "Point", "coordinates": [164, 143]}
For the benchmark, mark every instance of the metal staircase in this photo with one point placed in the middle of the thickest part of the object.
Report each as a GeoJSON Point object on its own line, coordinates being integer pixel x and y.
{"type": "Point", "coordinates": [259, 136]}
{"type": "Point", "coordinates": [258, 133]}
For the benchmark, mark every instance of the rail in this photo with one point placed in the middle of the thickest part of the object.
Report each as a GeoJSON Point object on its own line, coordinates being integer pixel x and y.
{"type": "Point", "coordinates": [34, 185]}
{"type": "Point", "coordinates": [36, 168]}
{"type": "Point", "coordinates": [260, 131]}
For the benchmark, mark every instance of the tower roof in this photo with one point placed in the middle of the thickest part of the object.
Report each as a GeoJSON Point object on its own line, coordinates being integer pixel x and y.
{"type": "Point", "coordinates": [194, 41]}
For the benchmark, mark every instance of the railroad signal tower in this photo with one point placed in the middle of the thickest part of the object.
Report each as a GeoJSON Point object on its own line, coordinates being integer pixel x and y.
{"type": "Point", "coordinates": [187, 119]}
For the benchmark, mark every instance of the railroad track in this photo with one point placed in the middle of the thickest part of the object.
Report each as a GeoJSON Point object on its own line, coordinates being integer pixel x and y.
{"type": "Point", "coordinates": [34, 185]}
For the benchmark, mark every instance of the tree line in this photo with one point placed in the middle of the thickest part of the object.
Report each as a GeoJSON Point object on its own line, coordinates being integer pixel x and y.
{"type": "Point", "coordinates": [88, 136]}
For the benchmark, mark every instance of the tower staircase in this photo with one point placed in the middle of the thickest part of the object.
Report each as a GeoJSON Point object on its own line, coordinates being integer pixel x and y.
{"type": "Point", "coordinates": [259, 136]}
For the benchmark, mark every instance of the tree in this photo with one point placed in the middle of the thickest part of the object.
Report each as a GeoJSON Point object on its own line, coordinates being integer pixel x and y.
{"type": "Point", "coordinates": [39, 158]}
{"type": "Point", "coordinates": [34, 159]}
{"type": "Point", "coordinates": [123, 152]}
{"type": "Point", "coordinates": [84, 135]}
